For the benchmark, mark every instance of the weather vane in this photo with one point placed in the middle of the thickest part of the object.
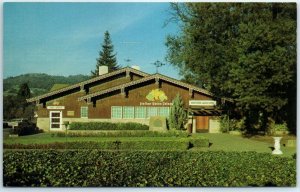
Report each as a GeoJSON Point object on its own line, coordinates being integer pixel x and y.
{"type": "Point", "coordinates": [158, 64]}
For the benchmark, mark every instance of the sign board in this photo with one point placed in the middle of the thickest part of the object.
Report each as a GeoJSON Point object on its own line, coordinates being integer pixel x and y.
{"type": "Point", "coordinates": [55, 107]}
{"type": "Point", "coordinates": [202, 103]}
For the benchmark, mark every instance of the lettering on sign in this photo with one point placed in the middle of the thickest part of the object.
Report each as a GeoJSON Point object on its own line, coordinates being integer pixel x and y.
{"type": "Point", "coordinates": [155, 104]}
{"type": "Point", "coordinates": [55, 107]}
{"type": "Point", "coordinates": [202, 103]}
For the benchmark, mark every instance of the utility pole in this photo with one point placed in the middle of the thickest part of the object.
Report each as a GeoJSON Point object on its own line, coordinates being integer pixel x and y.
{"type": "Point", "coordinates": [158, 64]}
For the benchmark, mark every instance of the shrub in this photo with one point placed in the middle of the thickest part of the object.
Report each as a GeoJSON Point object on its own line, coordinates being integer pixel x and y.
{"type": "Point", "coordinates": [25, 128]}
{"type": "Point", "coordinates": [178, 144]}
{"type": "Point", "coordinates": [124, 133]}
{"type": "Point", "coordinates": [146, 168]}
{"type": "Point", "coordinates": [107, 126]}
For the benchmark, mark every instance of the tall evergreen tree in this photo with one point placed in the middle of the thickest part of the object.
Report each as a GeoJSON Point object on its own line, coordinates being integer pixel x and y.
{"type": "Point", "coordinates": [178, 115]}
{"type": "Point", "coordinates": [106, 56]}
{"type": "Point", "coordinates": [245, 51]}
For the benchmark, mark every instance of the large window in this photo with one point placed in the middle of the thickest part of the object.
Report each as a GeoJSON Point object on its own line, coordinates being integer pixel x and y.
{"type": "Point", "coordinates": [140, 112]}
{"type": "Point", "coordinates": [128, 112]}
{"type": "Point", "coordinates": [152, 111]}
{"type": "Point", "coordinates": [116, 112]}
{"type": "Point", "coordinates": [84, 112]}
{"type": "Point", "coordinates": [164, 111]}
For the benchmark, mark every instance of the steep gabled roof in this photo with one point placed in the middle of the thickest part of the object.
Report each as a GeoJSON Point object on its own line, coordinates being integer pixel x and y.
{"type": "Point", "coordinates": [145, 79]}
{"type": "Point", "coordinates": [83, 83]}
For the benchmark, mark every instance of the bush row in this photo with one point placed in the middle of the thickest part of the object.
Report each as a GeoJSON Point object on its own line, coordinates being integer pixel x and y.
{"type": "Point", "coordinates": [142, 168]}
{"type": "Point", "coordinates": [107, 126]}
{"type": "Point", "coordinates": [179, 144]}
{"type": "Point", "coordinates": [124, 133]}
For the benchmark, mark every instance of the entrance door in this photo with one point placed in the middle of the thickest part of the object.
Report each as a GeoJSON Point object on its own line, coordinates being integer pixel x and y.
{"type": "Point", "coordinates": [202, 123]}
{"type": "Point", "coordinates": [55, 120]}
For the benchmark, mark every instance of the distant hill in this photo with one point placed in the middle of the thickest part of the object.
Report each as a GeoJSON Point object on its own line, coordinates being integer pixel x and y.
{"type": "Point", "coordinates": [39, 83]}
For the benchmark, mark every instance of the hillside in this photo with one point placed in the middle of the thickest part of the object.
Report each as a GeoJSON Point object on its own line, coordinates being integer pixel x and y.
{"type": "Point", "coordinates": [38, 83]}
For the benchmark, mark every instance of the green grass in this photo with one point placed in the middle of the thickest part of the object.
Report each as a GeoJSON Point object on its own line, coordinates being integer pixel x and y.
{"type": "Point", "coordinates": [218, 142]}
{"type": "Point", "coordinates": [44, 138]}
{"type": "Point", "coordinates": [227, 142]}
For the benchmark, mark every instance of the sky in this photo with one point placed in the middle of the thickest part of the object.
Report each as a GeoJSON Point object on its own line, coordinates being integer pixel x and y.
{"type": "Point", "coordinates": [65, 38]}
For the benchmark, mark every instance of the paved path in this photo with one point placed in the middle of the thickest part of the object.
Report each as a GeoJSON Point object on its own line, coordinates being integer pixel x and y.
{"type": "Point", "coordinates": [227, 142]}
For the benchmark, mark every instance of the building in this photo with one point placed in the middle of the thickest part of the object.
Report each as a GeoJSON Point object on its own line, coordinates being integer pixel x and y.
{"type": "Point", "coordinates": [125, 95]}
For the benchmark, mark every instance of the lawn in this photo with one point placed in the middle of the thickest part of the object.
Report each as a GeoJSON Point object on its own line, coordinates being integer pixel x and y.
{"type": "Point", "coordinates": [227, 142]}
{"type": "Point", "coordinates": [218, 142]}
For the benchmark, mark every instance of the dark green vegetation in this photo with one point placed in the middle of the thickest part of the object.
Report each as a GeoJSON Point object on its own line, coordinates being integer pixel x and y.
{"type": "Point", "coordinates": [107, 126]}
{"type": "Point", "coordinates": [178, 114]}
{"type": "Point", "coordinates": [106, 56]}
{"type": "Point", "coordinates": [242, 51]}
{"type": "Point", "coordinates": [142, 168]}
{"type": "Point", "coordinates": [39, 83]}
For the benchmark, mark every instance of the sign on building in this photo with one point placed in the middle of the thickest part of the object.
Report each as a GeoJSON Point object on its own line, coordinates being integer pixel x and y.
{"type": "Point", "coordinates": [202, 103]}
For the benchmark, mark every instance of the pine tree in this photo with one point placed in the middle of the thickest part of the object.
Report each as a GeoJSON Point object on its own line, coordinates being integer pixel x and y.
{"type": "Point", "coordinates": [106, 56]}
{"type": "Point", "coordinates": [178, 115]}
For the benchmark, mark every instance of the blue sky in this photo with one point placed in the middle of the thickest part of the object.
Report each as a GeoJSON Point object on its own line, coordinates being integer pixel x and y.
{"type": "Point", "coordinates": [65, 38]}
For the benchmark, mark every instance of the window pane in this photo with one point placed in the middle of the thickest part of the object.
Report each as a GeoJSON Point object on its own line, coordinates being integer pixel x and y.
{"type": "Point", "coordinates": [164, 111]}
{"type": "Point", "coordinates": [55, 125]}
{"type": "Point", "coordinates": [128, 112]}
{"type": "Point", "coordinates": [84, 112]}
{"type": "Point", "coordinates": [55, 114]}
{"type": "Point", "coordinates": [152, 111]}
{"type": "Point", "coordinates": [116, 112]}
{"type": "Point", "coordinates": [55, 120]}
{"type": "Point", "coordinates": [140, 112]}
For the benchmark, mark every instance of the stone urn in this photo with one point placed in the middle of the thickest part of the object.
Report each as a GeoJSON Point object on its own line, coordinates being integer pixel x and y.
{"type": "Point", "coordinates": [277, 150]}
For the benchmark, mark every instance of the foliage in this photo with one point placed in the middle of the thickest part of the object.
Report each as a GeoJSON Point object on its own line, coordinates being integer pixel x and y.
{"type": "Point", "coordinates": [146, 168]}
{"type": "Point", "coordinates": [39, 83]}
{"type": "Point", "coordinates": [16, 106]}
{"type": "Point", "coordinates": [230, 124]}
{"type": "Point", "coordinates": [107, 126]}
{"type": "Point", "coordinates": [123, 133]}
{"type": "Point", "coordinates": [243, 51]}
{"type": "Point", "coordinates": [117, 144]}
{"type": "Point", "coordinates": [178, 115]}
{"type": "Point", "coordinates": [25, 128]}
{"type": "Point", "coordinates": [106, 56]}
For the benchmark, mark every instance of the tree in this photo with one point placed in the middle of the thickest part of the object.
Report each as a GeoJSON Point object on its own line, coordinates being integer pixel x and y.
{"type": "Point", "coordinates": [106, 56]}
{"type": "Point", "coordinates": [178, 115]}
{"type": "Point", "coordinates": [245, 51]}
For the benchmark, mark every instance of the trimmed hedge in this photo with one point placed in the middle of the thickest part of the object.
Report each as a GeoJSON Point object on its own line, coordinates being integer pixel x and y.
{"type": "Point", "coordinates": [124, 133]}
{"type": "Point", "coordinates": [141, 168]}
{"type": "Point", "coordinates": [107, 126]}
{"type": "Point", "coordinates": [179, 144]}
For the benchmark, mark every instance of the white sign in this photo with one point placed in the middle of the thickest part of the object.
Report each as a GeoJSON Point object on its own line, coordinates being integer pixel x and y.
{"type": "Point", "coordinates": [55, 107]}
{"type": "Point", "coordinates": [202, 103]}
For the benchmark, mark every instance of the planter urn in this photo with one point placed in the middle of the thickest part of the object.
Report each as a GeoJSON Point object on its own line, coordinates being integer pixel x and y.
{"type": "Point", "coordinates": [277, 150]}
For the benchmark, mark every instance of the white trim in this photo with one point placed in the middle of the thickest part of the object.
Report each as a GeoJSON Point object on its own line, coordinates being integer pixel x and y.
{"type": "Point", "coordinates": [60, 122]}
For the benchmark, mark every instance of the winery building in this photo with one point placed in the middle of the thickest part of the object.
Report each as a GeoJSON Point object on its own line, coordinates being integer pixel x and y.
{"type": "Point", "coordinates": [125, 95]}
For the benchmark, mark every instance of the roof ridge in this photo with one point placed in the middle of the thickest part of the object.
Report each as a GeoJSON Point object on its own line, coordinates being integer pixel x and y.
{"type": "Point", "coordinates": [87, 82]}
{"type": "Point", "coordinates": [156, 75]}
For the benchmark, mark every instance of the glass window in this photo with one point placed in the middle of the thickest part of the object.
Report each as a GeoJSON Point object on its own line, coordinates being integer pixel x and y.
{"type": "Point", "coordinates": [84, 112]}
{"type": "Point", "coordinates": [152, 111]}
{"type": "Point", "coordinates": [128, 112]}
{"type": "Point", "coordinates": [164, 111]}
{"type": "Point", "coordinates": [116, 112]}
{"type": "Point", "coordinates": [140, 112]}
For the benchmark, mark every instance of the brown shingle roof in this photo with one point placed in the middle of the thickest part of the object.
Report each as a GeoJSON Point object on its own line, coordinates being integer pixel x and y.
{"type": "Point", "coordinates": [145, 79]}
{"type": "Point", "coordinates": [143, 74]}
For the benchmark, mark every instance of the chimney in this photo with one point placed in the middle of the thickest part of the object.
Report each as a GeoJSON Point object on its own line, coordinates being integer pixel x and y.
{"type": "Point", "coordinates": [103, 70]}
{"type": "Point", "coordinates": [136, 67]}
